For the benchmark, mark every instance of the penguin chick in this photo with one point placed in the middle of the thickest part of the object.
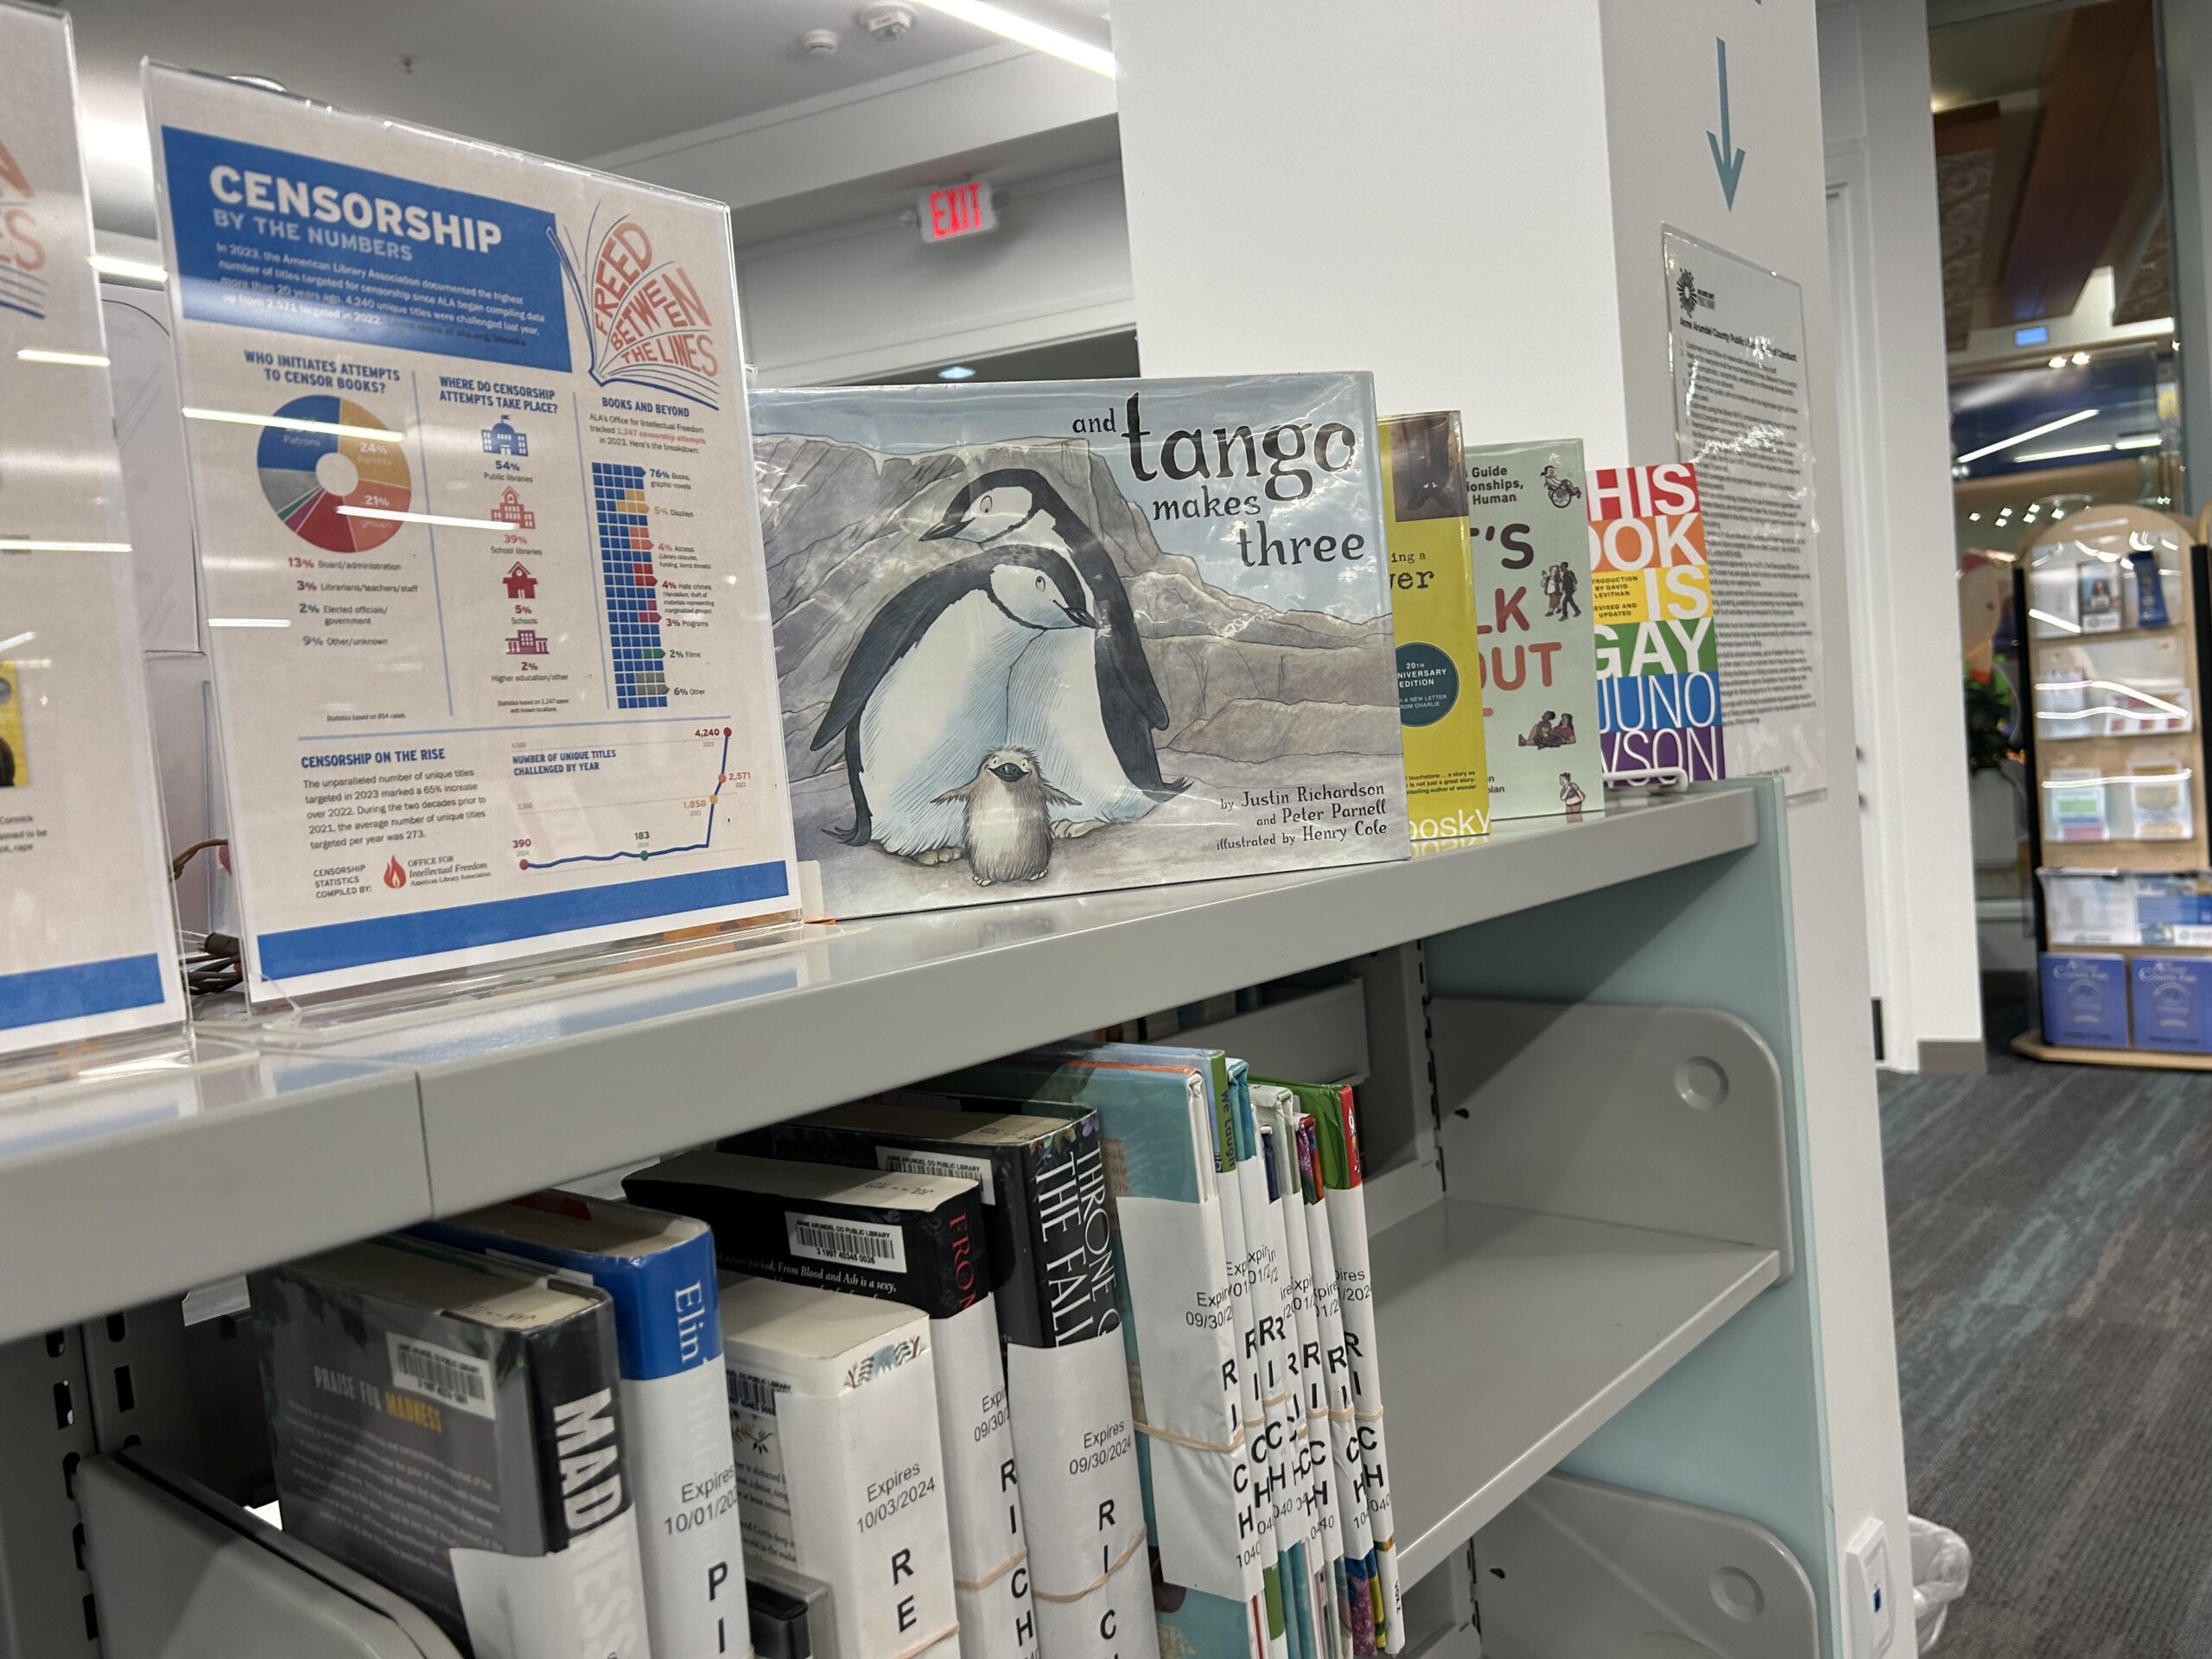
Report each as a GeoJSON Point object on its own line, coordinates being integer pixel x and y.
{"type": "Point", "coordinates": [1008, 828]}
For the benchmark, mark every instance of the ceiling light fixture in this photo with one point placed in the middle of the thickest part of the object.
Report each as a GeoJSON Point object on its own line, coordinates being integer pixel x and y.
{"type": "Point", "coordinates": [2080, 359]}
{"type": "Point", "coordinates": [2066, 454]}
{"type": "Point", "coordinates": [2058, 362]}
{"type": "Point", "coordinates": [130, 270]}
{"type": "Point", "coordinates": [66, 359]}
{"type": "Point", "coordinates": [956, 372]}
{"type": "Point", "coordinates": [1973, 518]}
{"type": "Point", "coordinates": [2032, 432]}
{"type": "Point", "coordinates": [2137, 441]}
{"type": "Point", "coordinates": [1025, 31]}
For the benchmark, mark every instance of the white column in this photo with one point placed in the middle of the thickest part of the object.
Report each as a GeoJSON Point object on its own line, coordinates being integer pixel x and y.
{"type": "Point", "coordinates": [1466, 196]}
{"type": "Point", "coordinates": [1897, 534]}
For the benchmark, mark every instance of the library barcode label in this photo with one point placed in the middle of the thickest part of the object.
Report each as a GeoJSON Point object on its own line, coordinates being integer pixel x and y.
{"type": "Point", "coordinates": [754, 1394]}
{"type": "Point", "coordinates": [461, 1381]}
{"type": "Point", "coordinates": [847, 1244]}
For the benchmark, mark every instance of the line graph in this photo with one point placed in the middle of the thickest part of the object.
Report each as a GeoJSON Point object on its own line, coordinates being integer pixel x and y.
{"type": "Point", "coordinates": [646, 854]}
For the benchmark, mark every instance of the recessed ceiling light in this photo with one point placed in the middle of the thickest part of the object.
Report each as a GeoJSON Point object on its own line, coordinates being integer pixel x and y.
{"type": "Point", "coordinates": [1025, 32]}
{"type": "Point", "coordinates": [956, 372]}
{"type": "Point", "coordinates": [2058, 362]}
{"type": "Point", "coordinates": [2032, 432]}
{"type": "Point", "coordinates": [2080, 359]}
{"type": "Point", "coordinates": [134, 271]}
{"type": "Point", "coordinates": [1973, 518]}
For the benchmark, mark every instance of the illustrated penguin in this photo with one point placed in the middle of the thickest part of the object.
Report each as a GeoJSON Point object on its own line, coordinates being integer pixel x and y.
{"type": "Point", "coordinates": [1007, 823]}
{"type": "Point", "coordinates": [1086, 708]}
{"type": "Point", "coordinates": [927, 689]}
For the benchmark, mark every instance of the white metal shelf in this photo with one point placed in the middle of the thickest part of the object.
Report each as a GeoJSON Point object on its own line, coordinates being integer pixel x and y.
{"type": "Point", "coordinates": [120, 1189]}
{"type": "Point", "coordinates": [879, 1004]}
{"type": "Point", "coordinates": [1507, 1338]}
{"type": "Point", "coordinates": [313, 1139]}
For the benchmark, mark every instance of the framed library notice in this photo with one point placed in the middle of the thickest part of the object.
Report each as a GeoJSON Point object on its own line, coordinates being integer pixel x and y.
{"type": "Point", "coordinates": [474, 490]}
{"type": "Point", "coordinates": [89, 945]}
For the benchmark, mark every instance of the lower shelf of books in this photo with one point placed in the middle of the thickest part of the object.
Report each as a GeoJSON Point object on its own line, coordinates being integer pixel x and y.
{"type": "Point", "coordinates": [1512, 1337]}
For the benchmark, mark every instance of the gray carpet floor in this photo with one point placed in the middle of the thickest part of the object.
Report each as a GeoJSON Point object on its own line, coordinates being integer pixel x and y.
{"type": "Point", "coordinates": [2050, 1231]}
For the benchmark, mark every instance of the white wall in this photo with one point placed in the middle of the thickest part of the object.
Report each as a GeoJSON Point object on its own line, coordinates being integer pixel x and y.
{"type": "Point", "coordinates": [1895, 443]}
{"type": "Point", "coordinates": [864, 299]}
{"type": "Point", "coordinates": [1470, 203]}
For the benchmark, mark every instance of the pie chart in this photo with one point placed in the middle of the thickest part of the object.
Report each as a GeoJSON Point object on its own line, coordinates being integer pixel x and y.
{"type": "Point", "coordinates": [333, 460]}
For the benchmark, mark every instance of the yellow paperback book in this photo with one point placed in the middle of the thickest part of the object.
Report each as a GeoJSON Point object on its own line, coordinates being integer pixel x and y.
{"type": "Point", "coordinates": [1433, 606]}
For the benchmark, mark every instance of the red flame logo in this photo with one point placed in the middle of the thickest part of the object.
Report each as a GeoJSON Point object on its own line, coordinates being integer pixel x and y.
{"type": "Point", "coordinates": [395, 874]}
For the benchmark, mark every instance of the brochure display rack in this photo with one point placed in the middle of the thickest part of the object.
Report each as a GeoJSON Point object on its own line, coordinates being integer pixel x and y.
{"type": "Point", "coordinates": [2113, 600]}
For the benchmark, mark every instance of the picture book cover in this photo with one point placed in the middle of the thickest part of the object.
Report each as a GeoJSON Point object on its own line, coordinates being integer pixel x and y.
{"type": "Point", "coordinates": [1432, 599]}
{"type": "Point", "coordinates": [1056, 637]}
{"type": "Point", "coordinates": [1531, 548]}
{"type": "Point", "coordinates": [2084, 1000]}
{"type": "Point", "coordinates": [1651, 598]}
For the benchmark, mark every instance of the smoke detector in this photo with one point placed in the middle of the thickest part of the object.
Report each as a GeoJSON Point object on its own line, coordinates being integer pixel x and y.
{"type": "Point", "coordinates": [887, 23]}
{"type": "Point", "coordinates": [819, 42]}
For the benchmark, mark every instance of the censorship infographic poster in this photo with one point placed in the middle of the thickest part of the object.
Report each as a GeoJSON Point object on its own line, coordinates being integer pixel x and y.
{"type": "Point", "coordinates": [87, 939]}
{"type": "Point", "coordinates": [474, 483]}
{"type": "Point", "coordinates": [1744, 416]}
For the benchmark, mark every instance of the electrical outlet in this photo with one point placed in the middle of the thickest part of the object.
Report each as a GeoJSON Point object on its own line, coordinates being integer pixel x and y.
{"type": "Point", "coordinates": [1870, 1598]}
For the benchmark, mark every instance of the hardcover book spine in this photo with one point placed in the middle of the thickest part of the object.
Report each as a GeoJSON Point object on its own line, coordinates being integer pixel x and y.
{"type": "Point", "coordinates": [675, 1424]}
{"type": "Point", "coordinates": [1301, 1522]}
{"type": "Point", "coordinates": [1267, 1357]}
{"type": "Point", "coordinates": [1070, 1391]}
{"type": "Point", "coordinates": [1361, 1591]}
{"type": "Point", "coordinates": [1347, 1212]}
{"type": "Point", "coordinates": [1256, 1538]}
{"type": "Point", "coordinates": [586, 1596]}
{"type": "Point", "coordinates": [933, 1261]}
{"type": "Point", "coordinates": [1071, 1232]}
{"type": "Point", "coordinates": [1295, 1133]}
{"type": "Point", "coordinates": [847, 1486]}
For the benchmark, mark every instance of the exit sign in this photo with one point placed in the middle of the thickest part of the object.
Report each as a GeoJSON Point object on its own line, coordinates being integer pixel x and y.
{"type": "Point", "coordinates": [953, 211]}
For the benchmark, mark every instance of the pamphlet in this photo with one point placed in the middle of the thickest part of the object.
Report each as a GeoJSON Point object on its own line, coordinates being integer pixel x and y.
{"type": "Point", "coordinates": [2101, 611]}
{"type": "Point", "coordinates": [89, 947]}
{"type": "Point", "coordinates": [473, 479]}
{"type": "Point", "coordinates": [2150, 589]}
{"type": "Point", "coordinates": [2160, 791]}
{"type": "Point", "coordinates": [2074, 805]}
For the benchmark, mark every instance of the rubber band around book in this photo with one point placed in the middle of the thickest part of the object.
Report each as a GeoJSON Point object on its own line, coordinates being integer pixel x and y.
{"type": "Point", "coordinates": [1236, 1443]}
{"type": "Point", "coordinates": [1143, 1538]}
{"type": "Point", "coordinates": [927, 1642]}
{"type": "Point", "coordinates": [994, 1574]}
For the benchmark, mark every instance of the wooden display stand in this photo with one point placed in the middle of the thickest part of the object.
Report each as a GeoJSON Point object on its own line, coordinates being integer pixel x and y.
{"type": "Point", "coordinates": [2060, 591]}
